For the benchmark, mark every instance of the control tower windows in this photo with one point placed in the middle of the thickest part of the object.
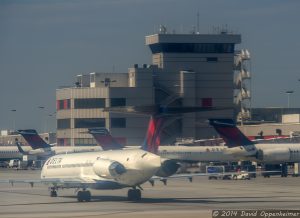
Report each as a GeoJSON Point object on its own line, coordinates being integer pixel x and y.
{"type": "Point", "coordinates": [88, 103]}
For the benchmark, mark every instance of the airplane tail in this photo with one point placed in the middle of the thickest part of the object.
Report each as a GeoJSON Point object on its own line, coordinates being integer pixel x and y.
{"type": "Point", "coordinates": [152, 139]}
{"type": "Point", "coordinates": [33, 138]}
{"type": "Point", "coordinates": [228, 130]}
{"type": "Point", "coordinates": [104, 139]}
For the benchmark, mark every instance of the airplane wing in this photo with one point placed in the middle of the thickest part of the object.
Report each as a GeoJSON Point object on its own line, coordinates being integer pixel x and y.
{"type": "Point", "coordinates": [190, 176]}
{"type": "Point", "coordinates": [80, 182]}
{"type": "Point", "coordinates": [59, 183]}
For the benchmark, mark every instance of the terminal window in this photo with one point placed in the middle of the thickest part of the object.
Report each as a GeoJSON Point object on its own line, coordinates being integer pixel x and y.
{"type": "Point", "coordinates": [63, 124]}
{"type": "Point", "coordinates": [118, 123]}
{"type": "Point", "coordinates": [89, 122]}
{"type": "Point", "coordinates": [88, 103]}
{"type": "Point", "coordinates": [206, 102]}
{"type": "Point", "coordinates": [212, 59]}
{"type": "Point", "coordinates": [63, 142]}
{"type": "Point", "coordinates": [114, 102]}
{"type": "Point", "coordinates": [192, 48]}
{"type": "Point", "coordinates": [63, 104]}
{"type": "Point", "coordinates": [84, 142]}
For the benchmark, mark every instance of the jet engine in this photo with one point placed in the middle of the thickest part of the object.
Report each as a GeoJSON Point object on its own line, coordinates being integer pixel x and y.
{"type": "Point", "coordinates": [274, 155]}
{"type": "Point", "coordinates": [108, 169]}
{"type": "Point", "coordinates": [168, 168]}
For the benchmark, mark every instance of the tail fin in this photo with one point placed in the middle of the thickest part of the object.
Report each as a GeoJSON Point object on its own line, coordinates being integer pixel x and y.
{"type": "Point", "coordinates": [33, 138]}
{"type": "Point", "coordinates": [104, 139]}
{"type": "Point", "coordinates": [229, 132]}
{"type": "Point", "coordinates": [152, 139]}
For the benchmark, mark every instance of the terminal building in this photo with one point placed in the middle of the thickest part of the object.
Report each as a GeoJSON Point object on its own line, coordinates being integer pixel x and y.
{"type": "Point", "coordinates": [186, 69]}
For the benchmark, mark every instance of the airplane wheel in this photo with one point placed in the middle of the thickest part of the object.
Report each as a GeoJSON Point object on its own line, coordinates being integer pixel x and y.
{"type": "Point", "coordinates": [138, 195]}
{"type": "Point", "coordinates": [134, 195]}
{"type": "Point", "coordinates": [87, 196]}
{"type": "Point", "coordinates": [130, 194]}
{"type": "Point", "coordinates": [80, 196]}
{"type": "Point", "coordinates": [53, 193]}
{"type": "Point", "coordinates": [84, 196]}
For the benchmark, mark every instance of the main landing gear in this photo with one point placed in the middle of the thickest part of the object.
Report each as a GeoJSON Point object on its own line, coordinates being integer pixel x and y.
{"type": "Point", "coordinates": [134, 194]}
{"type": "Point", "coordinates": [53, 192]}
{"type": "Point", "coordinates": [84, 196]}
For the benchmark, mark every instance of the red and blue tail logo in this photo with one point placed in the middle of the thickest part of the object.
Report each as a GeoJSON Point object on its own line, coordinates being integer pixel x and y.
{"type": "Point", "coordinates": [104, 139]}
{"type": "Point", "coordinates": [152, 139]}
{"type": "Point", "coordinates": [33, 139]}
{"type": "Point", "coordinates": [227, 129]}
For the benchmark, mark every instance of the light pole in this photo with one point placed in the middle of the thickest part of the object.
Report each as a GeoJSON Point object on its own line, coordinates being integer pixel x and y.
{"type": "Point", "coordinates": [14, 118]}
{"type": "Point", "coordinates": [42, 108]}
{"type": "Point", "coordinates": [50, 116]}
{"type": "Point", "coordinates": [288, 95]}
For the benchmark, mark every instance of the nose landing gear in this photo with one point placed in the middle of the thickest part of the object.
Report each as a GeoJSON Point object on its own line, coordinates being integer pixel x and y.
{"type": "Point", "coordinates": [53, 192]}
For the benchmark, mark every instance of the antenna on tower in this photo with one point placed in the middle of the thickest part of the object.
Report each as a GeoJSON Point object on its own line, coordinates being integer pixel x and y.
{"type": "Point", "coordinates": [198, 28]}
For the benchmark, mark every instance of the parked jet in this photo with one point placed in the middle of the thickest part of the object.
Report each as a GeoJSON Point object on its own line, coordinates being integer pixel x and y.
{"type": "Point", "coordinates": [262, 152]}
{"type": "Point", "coordinates": [42, 149]}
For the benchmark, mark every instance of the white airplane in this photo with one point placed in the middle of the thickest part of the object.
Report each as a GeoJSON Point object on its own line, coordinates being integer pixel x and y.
{"type": "Point", "coordinates": [41, 149]}
{"type": "Point", "coordinates": [263, 152]}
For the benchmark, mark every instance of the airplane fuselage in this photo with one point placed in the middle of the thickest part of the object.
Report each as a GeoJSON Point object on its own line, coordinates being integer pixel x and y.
{"type": "Point", "coordinates": [93, 168]}
{"type": "Point", "coordinates": [263, 153]}
{"type": "Point", "coordinates": [201, 153]}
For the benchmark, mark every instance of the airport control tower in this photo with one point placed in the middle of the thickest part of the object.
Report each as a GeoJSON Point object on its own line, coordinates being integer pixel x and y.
{"type": "Point", "coordinates": [194, 70]}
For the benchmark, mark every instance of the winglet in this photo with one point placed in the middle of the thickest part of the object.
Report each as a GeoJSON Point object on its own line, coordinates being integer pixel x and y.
{"type": "Point", "coordinates": [228, 130]}
{"type": "Point", "coordinates": [20, 147]}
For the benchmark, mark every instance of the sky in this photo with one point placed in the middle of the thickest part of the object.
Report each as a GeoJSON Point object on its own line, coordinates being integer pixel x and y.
{"type": "Point", "coordinates": [45, 44]}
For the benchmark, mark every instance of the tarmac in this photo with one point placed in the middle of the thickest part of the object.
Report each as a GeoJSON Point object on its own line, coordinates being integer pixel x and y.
{"type": "Point", "coordinates": [179, 198]}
